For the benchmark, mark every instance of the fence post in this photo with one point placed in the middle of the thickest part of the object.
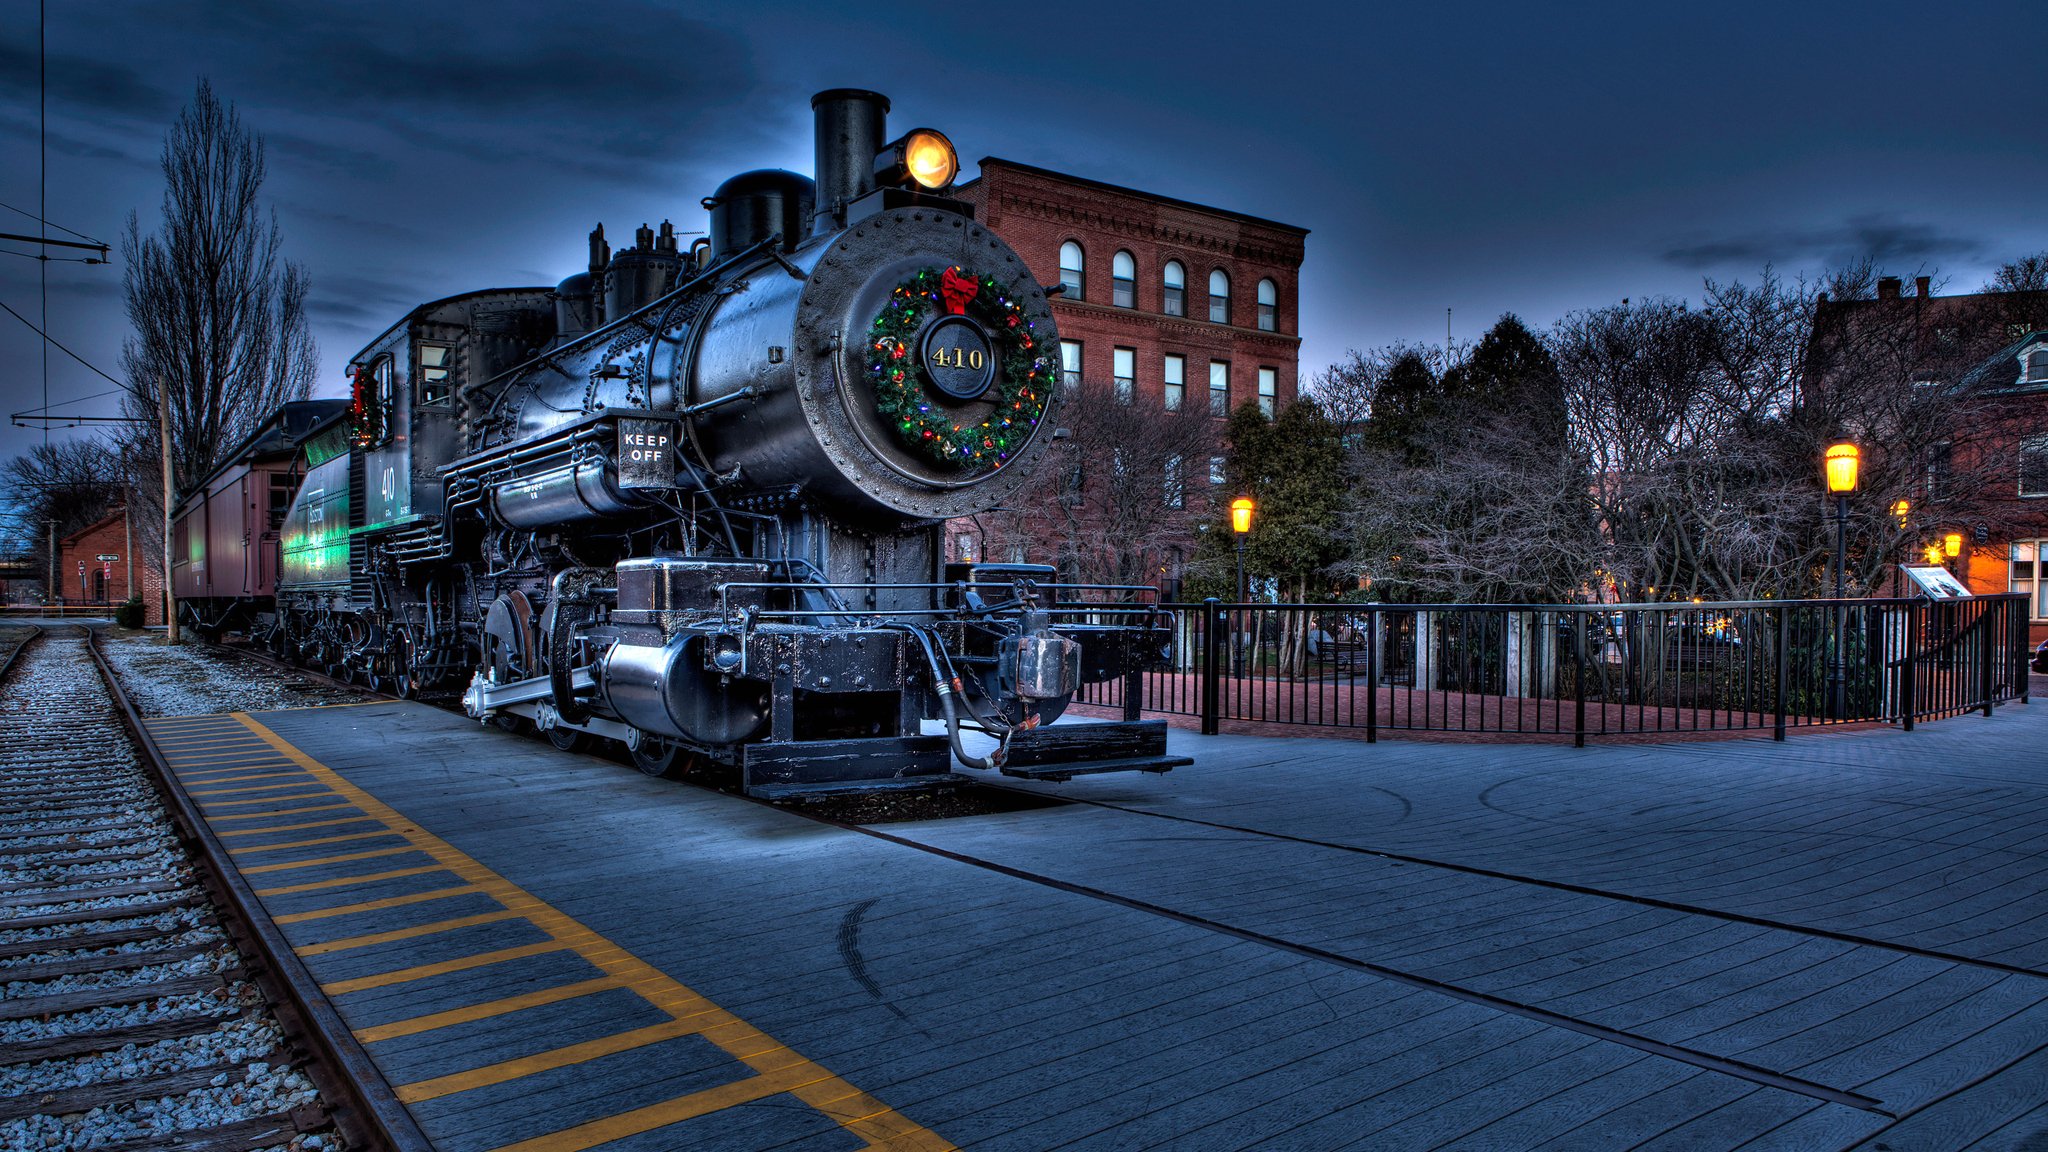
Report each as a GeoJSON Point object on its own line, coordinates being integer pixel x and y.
{"type": "Point", "coordinates": [1784, 670]}
{"type": "Point", "coordinates": [1909, 677]}
{"type": "Point", "coordinates": [1579, 682]}
{"type": "Point", "coordinates": [1134, 690]}
{"type": "Point", "coordinates": [1372, 675]}
{"type": "Point", "coordinates": [1990, 661]}
{"type": "Point", "coordinates": [1207, 671]}
{"type": "Point", "coordinates": [2018, 621]}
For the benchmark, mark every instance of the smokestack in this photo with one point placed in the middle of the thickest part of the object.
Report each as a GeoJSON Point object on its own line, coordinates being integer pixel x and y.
{"type": "Point", "coordinates": [1888, 287]}
{"type": "Point", "coordinates": [852, 126]}
{"type": "Point", "coordinates": [1920, 284]}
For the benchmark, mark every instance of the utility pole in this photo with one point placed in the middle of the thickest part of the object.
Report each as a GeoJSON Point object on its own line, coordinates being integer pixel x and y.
{"type": "Point", "coordinates": [163, 429]}
{"type": "Point", "coordinates": [56, 591]}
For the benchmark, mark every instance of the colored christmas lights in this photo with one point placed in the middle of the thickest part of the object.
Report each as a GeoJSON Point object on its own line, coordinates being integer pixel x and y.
{"type": "Point", "coordinates": [1023, 380]}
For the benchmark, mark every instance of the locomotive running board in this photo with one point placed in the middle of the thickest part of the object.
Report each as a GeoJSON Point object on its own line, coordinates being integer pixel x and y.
{"type": "Point", "coordinates": [1061, 751]}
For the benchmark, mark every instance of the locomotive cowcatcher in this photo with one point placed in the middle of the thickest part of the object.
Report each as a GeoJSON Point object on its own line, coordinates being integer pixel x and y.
{"type": "Point", "coordinates": [690, 500]}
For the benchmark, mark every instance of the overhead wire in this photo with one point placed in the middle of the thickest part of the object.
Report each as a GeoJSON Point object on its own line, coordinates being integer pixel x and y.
{"type": "Point", "coordinates": [51, 340]}
{"type": "Point", "coordinates": [58, 227]}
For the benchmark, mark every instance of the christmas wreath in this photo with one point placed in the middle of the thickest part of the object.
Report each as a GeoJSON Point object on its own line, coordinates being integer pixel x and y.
{"type": "Point", "coordinates": [1023, 378]}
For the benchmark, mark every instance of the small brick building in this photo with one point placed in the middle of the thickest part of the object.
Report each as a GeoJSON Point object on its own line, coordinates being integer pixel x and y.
{"type": "Point", "coordinates": [94, 566]}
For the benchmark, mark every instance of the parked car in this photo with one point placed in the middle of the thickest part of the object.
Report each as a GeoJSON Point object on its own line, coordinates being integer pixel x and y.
{"type": "Point", "coordinates": [2041, 658]}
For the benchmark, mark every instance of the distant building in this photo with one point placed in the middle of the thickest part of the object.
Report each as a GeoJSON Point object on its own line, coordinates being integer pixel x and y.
{"type": "Point", "coordinates": [96, 564]}
{"type": "Point", "coordinates": [1996, 344]}
{"type": "Point", "coordinates": [1168, 303]}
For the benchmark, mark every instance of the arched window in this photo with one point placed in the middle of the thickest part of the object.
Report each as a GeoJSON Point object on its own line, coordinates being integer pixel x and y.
{"type": "Point", "coordinates": [1269, 306]}
{"type": "Point", "coordinates": [2037, 366]}
{"type": "Point", "coordinates": [1073, 270]}
{"type": "Point", "coordinates": [1219, 296]}
{"type": "Point", "coordinates": [1175, 278]}
{"type": "Point", "coordinates": [1123, 280]}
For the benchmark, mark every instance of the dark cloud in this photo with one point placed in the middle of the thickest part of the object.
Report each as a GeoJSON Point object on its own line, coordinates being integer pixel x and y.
{"type": "Point", "coordinates": [1888, 241]}
{"type": "Point", "coordinates": [630, 77]}
{"type": "Point", "coordinates": [328, 153]}
{"type": "Point", "coordinates": [360, 300]}
{"type": "Point", "coordinates": [65, 144]}
{"type": "Point", "coordinates": [92, 82]}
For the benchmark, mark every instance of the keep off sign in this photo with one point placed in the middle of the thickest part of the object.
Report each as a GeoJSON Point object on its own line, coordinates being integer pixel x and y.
{"type": "Point", "coordinates": [646, 453]}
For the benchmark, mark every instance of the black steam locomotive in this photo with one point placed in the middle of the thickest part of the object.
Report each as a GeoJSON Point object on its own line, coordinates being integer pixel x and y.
{"type": "Point", "coordinates": [691, 499]}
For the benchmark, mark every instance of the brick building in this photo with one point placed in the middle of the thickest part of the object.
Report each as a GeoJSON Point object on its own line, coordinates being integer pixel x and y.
{"type": "Point", "coordinates": [1169, 305]}
{"type": "Point", "coordinates": [94, 566]}
{"type": "Point", "coordinates": [1989, 484]}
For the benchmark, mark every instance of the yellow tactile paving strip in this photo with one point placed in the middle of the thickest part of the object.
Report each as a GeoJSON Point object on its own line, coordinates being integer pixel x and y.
{"type": "Point", "coordinates": [217, 757]}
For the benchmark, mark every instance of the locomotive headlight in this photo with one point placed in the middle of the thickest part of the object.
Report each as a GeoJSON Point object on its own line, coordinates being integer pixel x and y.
{"type": "Point", "coordinates": [922, 156]}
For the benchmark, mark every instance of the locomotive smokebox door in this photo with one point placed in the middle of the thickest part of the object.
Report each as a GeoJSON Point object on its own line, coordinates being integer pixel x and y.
{"type": "Point", "coordinates": [959, 359]}
{"type": "Point", "coordinates": [646, 453]}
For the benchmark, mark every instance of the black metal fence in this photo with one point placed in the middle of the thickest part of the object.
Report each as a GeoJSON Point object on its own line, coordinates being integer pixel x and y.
{"type": "Point", "coordinates": [1584, 670]}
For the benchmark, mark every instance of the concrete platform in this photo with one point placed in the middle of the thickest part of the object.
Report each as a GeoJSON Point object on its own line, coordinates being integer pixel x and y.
{"type": "Point", "coordinates": [1836, 942]}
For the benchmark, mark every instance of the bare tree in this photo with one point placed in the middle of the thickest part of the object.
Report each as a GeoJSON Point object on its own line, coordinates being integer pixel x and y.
{"type": "Point", "coordinates": [221, 336]}
{"type": "Point", "coordinates": [2025, 274]}
{"type": "Point", "coordinates": [1345, 391]}
{"type": "Point", "coordinates": [1706, 426]}
{"type": "Point", "coordinates": [72, 483]}
{"type": "Point", "coordinates": [1467, 487]}
{"type": "Point", "coordinates": [1119, 494]}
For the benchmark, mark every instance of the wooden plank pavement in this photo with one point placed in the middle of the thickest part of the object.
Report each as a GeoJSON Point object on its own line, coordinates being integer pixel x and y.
{"type": "Point", "coordinates": [1292, 944]}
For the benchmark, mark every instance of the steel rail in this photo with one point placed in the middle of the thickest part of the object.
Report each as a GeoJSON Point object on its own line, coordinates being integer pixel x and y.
{"type": "Point", "coordinates": [361, 1103]}
{"type": "Point", "coordinates": [35, 633]}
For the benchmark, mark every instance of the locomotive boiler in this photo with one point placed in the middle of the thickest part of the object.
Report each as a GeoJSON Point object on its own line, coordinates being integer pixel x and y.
{"type": "Point", "coordinates": [691, 499]}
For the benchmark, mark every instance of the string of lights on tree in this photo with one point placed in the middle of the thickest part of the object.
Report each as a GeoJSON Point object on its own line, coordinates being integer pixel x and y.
{"type": "Point", "coordinates": [1023, 377]}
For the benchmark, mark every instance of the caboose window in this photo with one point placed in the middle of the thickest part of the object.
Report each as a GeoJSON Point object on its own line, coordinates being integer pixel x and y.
{"type": "Point", "coordinates": [1175, 281]}
{"type": "Point", "coordinates": [1123, 280]}
{"type": "Point", "coordinates": [437, 366]}
{"type": "Point", "coordinates": [1073, 270]}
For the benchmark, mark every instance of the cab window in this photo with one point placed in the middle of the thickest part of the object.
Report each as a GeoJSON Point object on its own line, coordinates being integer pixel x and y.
{"type": "Point", "coordinates": [436, 373]}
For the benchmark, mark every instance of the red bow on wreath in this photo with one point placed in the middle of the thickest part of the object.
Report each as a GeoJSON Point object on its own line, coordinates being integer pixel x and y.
{"type": "Point", "coordinates": [956, 290]}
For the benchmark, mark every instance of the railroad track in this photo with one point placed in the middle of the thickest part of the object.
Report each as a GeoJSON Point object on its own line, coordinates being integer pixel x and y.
{"type": "Point", "coordinates": [143, 1008]}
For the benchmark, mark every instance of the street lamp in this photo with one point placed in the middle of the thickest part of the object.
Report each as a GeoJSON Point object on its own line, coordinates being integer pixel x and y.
{"type": "Point", "coordinates": [1952, 545]}
{"type": "Point", "coordinates": [1839, 468]}
{"type": "Point", "coordinates": [1241, 510]}
{"type": "Point", "coordinates": [1241, 525]}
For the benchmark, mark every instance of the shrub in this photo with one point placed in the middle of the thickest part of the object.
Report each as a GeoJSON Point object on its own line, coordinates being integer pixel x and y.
{"type": "Point", "coordinates": [130, 613]}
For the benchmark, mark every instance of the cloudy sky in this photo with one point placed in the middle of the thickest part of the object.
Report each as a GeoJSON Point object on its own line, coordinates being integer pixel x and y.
{"type": "Point", "coordinates": [1482, 158]}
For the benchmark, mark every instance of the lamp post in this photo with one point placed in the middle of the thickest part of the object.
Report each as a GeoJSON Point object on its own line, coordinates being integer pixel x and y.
{"type": "Point", "coordinates": [1839, 467]}
{"type": "Point", "coordinates": [1241, 525]}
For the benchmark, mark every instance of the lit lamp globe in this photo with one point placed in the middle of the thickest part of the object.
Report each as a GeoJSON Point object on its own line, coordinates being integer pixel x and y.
{"type": "Point", "coordinates": [1952, 545]}
{"type": "Point", "coordinates": [1241, 515]}
{"type": "Point", "coordinates": [1840, 465]}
